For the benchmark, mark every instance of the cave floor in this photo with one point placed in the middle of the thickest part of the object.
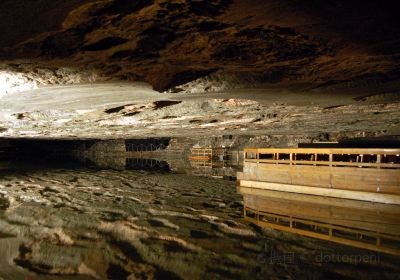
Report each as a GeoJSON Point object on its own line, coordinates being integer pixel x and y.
{"type": "Point", "coordinates": [112, 109]}
{"type": "Point", "coordinates": [65, 223]}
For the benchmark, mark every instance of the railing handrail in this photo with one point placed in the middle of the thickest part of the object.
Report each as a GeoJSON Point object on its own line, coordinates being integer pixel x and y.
{"type": "Point", "coordinates": [331, 160]}
{"type": "Point", "coordinates": [327, 163]}
{"type": "Point", "coordinates": [325, 151]}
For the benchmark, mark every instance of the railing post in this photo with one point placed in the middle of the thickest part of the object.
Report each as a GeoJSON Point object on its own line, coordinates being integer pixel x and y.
{"type": "Point", "coordinates": [378, 184]}
{"type": "Point", "coordinates": [258, 156]}
{"type": "Point", "coordinates": [379, 160]}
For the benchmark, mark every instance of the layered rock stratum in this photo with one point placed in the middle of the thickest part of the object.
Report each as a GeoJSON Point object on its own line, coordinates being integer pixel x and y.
{"type": "Point", "coordinates": [197, 46]}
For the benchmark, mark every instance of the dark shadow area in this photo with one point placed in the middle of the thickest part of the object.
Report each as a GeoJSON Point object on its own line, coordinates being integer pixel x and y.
{"type": "Point", "coordinates": [20, 20]}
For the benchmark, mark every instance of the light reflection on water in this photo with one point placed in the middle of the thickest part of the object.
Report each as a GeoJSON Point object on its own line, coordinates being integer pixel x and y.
{"type": "Point", "coordinates": [360, 224]}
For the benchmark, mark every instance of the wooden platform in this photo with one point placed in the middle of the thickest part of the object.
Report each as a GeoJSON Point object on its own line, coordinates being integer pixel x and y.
{"type": "Point", "coordinates": [348, 196]}
{"type": "Point", "coordinates": [360, 174]}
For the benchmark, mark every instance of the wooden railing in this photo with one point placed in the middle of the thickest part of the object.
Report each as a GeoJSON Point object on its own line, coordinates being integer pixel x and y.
{"type": "Point", "coordinates": [371, 158]}
{"type": "Point", "coordinates": [201, 154]}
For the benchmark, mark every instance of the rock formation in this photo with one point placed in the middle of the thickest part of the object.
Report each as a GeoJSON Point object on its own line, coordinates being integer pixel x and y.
{"type": "Point", "coordinates": [212, 45]}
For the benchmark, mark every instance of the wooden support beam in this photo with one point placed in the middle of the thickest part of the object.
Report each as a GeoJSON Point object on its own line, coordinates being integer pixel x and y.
{"type": "Point", "coordinates": [346, 194]}
{"type": "Point", "coordinates": [319, 200]}
{"type": "Point", "coordinates": [346, 178]}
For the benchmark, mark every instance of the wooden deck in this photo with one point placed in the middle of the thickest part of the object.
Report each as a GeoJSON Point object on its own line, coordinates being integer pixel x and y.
{"type": "Point", "coordinates": [361, 174]}
{"type": "Point", "coordinates": [348, 196]}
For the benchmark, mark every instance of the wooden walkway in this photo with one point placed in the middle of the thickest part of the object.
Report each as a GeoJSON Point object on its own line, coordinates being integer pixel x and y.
{"type": "Point", "coordinates": [360, 174]}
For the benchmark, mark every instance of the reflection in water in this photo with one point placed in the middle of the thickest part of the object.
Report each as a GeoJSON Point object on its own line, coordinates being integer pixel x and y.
{"type": "Point", "coordinates": [137, 154]}
{"type": "Point", "coordinates": [214, 162]}
{"type": "Point", "coordinates": [150, 145]}
{"type": "Point", "coordinates": [356, 223]}
{"type": "Point", "coordinates": [122, 224]}
{"type": "Point", "coordinates": [93, 215]}
{"type": "Point", "coordinates": [147, 164]}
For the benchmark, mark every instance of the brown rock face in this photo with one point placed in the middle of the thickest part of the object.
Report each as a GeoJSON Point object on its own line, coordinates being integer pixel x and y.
{"type": "Point", "coordinates": [332, 43]}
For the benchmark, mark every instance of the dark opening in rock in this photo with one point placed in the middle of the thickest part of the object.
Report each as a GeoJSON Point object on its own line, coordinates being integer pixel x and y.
{"type": "Point", "coordinates": [105, 44]}
{"type": "Point", "coordinates": [165, 103]}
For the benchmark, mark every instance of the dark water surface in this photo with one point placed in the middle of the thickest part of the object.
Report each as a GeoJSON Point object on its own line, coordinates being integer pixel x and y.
{"type": "Point", "coordinates": [135, 218]}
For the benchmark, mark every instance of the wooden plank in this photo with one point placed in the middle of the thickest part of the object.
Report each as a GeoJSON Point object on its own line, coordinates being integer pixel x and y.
{"type": "Point", "coordinates": [339, 183]}
{"type": "Point", "coordinates": [327, 163]}
{"type": "Point", "coordinates": [371, 180]}
{"type": "Point", "coordinates": [299, 168]}
{"type": "Point", "coordinates": [200, 158]}
{"type": "Point", "coordinates": [388, 174]}
{"type": "Point", "coordinates": [365, 151]}
{"type": "Point", "coordinates": [347, 194]}
{"type": "Point", "coordinates": [251, 150]}
{"type": "Point", "coordinates": [332, 201]}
